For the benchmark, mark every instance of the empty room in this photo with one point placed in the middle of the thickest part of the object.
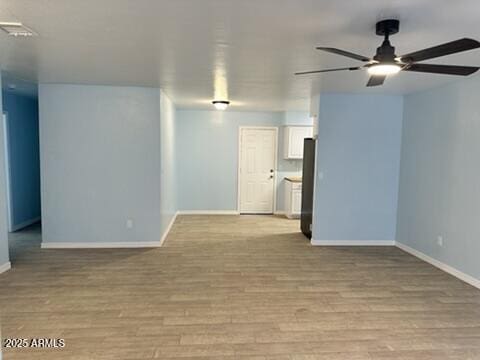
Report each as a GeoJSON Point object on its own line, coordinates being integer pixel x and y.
{"type": "Point", "coordinates": [228, 179]}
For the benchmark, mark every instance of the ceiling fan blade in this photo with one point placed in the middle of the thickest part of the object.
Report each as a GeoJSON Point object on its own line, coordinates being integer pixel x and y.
{"type": "Point", "coordinates": [442, 69]}
{"type": "Point", "coordinates": [376, 80]}
{"type": "Point", "coordinates": [442, 50]}
{"type": "Point", "coordinates": [344, 53]}
{"type": "Point", "coordinates": [327, 70]}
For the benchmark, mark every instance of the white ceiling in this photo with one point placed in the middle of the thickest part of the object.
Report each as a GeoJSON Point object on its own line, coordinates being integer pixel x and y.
{"type": "Point", "coordinates": [247, 50]}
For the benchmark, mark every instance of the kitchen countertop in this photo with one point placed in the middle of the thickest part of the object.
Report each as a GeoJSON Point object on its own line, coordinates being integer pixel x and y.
{"type": "Point", "coordinates": [296, 179]}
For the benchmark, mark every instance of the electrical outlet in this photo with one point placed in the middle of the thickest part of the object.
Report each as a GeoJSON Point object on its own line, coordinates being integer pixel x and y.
{"type": "Point", "coordinates": [129, 224]}
{"type": "Point", "coordinates": [440, 241]}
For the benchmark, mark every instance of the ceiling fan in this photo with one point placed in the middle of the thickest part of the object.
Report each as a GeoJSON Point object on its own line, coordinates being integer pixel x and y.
{"type": "Point", "coordinates": [385, 62]}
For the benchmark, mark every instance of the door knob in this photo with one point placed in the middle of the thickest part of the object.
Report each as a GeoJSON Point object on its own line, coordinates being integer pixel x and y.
{"type": "Point", "coordinates": [271, 176]}
{"type": "Point", "coordinates": [271, 170]}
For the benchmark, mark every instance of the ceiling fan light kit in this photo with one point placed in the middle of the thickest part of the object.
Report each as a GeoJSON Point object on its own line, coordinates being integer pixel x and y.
{"type": "Point", "coordinates": [386, 62]}
{"type": "Point", "coordinates": [384, 69]}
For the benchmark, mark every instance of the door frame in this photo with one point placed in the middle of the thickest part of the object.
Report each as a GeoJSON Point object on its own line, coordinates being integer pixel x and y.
{"type": "Point", "coordinates": [275, 170]}
{"type": "Point", "coordinates": [6, 152]}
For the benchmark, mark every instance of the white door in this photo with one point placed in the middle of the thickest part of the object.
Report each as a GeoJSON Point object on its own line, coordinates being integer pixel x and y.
{"type": "Point", "coordinates": [257, 170]}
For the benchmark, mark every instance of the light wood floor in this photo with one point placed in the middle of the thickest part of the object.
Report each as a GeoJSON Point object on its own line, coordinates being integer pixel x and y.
{"type": "Point", "coordinates": [229, 287]}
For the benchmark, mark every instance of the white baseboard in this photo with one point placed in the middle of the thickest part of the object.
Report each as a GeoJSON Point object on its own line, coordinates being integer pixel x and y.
{"type": "Point", "coordinates": [111, 245]}
{"type": "Point", "coordinates": [100, 245]}
{"type": "Point", "coordinates": [208, 212]}
{"type": "Point", "coordinates": [442, 266]}
{"type": "Point", "coordinates": [352, 242]}
{"type": "Point", "coordinates": [25, 224]}
{"type": "Point", "coordinates": [5, 267]}
{"type": "Point", "coordinates": [221, 212]}
{"type": "Point", "coordinates": [164, 236]}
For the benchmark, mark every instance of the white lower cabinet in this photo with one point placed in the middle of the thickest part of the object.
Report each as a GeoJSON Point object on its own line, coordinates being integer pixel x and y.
{"type": "Point", "coordinates": [293, 199]}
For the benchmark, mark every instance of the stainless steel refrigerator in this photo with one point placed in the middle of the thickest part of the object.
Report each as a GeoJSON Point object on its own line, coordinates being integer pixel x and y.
{"type": "Point", "coordinates": [307, 186]}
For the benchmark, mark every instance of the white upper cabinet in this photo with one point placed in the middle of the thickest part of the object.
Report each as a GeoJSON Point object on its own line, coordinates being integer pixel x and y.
{"type": "Point", "coordinates": [293, 141]}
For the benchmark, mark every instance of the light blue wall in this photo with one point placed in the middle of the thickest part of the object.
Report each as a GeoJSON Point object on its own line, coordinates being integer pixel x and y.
{"type": "Point", "coordinates": [168, 183]}
{"type": "Point", "coordinates": [440, 172]}
{"type": "Point", "coordinates": [358, 152]}
{"type": "Point", "coordinates": [4, 258]}
{"type": "Point", "coordinates": [24, 157]}
{"type": "Point", "coordinates": [100, 163]}
{"type": "Point", "coordinates": [207, 155]}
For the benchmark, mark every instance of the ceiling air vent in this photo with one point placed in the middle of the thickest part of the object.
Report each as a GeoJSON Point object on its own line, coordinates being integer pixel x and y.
{"type": "Point", "coordinates": [17, 29]}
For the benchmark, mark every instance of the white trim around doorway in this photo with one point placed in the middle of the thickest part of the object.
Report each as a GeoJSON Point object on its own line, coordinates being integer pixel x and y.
{"type": "Point", "coordinates": [8, 179]}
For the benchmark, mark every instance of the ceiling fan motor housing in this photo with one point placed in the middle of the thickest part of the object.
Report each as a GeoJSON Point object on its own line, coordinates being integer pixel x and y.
{"type": "Point", "coordinates": [385, 53]}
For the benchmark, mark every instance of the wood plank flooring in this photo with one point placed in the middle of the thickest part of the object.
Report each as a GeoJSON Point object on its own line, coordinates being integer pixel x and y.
{"type": "Point", "coordinates": [236, 287]}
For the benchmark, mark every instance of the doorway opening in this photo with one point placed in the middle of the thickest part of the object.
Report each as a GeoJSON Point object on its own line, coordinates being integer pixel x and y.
{"type": "Point", "coordinates": [277, 177]}
{"type": "Point", "coordinates": [20, 122]}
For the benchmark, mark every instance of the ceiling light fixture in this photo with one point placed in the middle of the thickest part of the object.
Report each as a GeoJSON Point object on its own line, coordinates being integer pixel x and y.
{"type": "Point", "coordinates": [220, 104]}
{"type": "Point", "coordinates": [17, 29]}
{"type": "Point", "coordinates": [384, 69]}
